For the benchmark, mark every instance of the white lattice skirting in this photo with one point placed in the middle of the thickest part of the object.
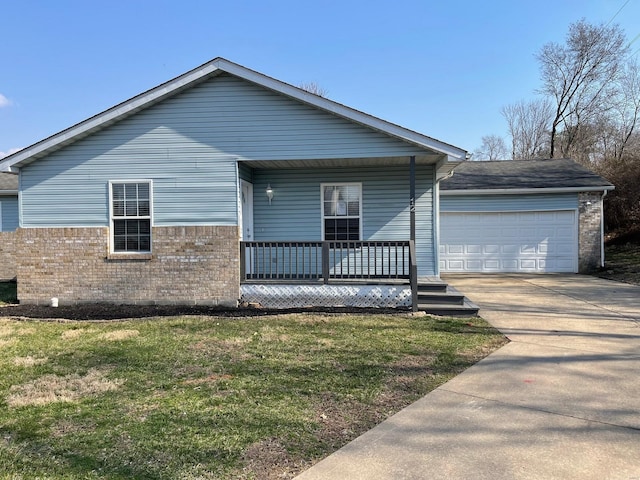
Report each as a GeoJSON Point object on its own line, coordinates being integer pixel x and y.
{"type": "Point", "coordinates": [298, 296]}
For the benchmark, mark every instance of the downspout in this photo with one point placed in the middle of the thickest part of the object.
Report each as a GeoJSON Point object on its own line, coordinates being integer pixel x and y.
{"type": "Point", "coordinates": [436, 224]}
{"type": "Point", "coordinates": [19, 200]}
{"type": "Point", "coordinates": [604, 194]}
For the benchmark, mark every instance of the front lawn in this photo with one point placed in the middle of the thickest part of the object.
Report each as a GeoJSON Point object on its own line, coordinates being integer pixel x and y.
{"type": "Point", "coordinates": [213, 396]}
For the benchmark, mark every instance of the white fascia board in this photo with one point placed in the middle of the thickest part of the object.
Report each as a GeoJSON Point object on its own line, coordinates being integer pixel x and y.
{"type": "Point", "coordinates": [145, 99]}
{"type": "Point", "coordinates": [521, 191]}
{"type": "Point", "coordinates": [445, 168]}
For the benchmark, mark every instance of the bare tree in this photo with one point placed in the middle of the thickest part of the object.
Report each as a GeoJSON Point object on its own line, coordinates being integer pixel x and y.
{"type": "Point", "coordinates": [577, 75]}
{"type": "Point", "coordinates": [313, 87]}
{"type": "Point", "coordinates": [628, 106]}
{"type": "Point", "coordinates": [493, 148]}
{"type": "Point", "coordinates": [528, 123]}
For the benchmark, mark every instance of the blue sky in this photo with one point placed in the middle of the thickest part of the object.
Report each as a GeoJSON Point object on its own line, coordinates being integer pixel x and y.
{"type": "Point", "coordinates": [443, 68]}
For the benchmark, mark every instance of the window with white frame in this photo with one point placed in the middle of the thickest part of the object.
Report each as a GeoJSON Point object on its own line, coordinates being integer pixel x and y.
{"type": "Point", "coordinates": [342, 211]}
{"type": "Point", "coordinates": [130, 216]}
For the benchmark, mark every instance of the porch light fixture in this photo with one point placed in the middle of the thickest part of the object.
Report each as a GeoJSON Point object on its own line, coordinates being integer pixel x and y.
{"type": "Point", "coordinates": [269, 193]}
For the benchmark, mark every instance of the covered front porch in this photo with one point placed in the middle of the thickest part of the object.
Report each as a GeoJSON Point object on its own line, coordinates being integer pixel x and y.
{"type": "Point", "coordinates": [359, 232]}
{"type": "Point", "coordinates": [359, 274]}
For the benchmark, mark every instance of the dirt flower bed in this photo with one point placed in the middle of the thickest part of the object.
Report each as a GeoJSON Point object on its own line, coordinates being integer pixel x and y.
{"type": "Point", "coordinates": [105, 312]}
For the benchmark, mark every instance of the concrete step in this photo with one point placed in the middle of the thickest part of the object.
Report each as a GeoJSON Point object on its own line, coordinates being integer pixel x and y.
{"type": "Point", "coordinates": [432, 286]}
{"type": "Point", "coordinates": [448, 298]}
{"type": "Point", "coordinates": [449, 302]}
{"type": "Point", "coordinates": [468, 309]}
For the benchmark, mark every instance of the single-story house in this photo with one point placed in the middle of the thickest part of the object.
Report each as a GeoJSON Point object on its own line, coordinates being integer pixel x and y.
{"type": "Point", "coordinates": [534, 216]}
{"type": "Point", "coordinates": [224, 185]}
{"type": "Point", "coordinates": [223, 182]}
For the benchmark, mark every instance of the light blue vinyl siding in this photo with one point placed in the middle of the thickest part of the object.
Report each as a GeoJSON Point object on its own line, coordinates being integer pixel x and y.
{"type": "Point", "coordinates": [189, 145]}
{"type": "Point", "coordinates": [245, 172]}
{"type": "Point", "coordinates": [508, 203]}
{"type": "Point", "coordinates": [9, 209]}
{"type": "Point", "coordinates": [295, 211]}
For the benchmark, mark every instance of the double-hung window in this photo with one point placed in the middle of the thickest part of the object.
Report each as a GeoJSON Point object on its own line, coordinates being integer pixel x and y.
{"type": "Point", "coordinates": [130, 216]}
{"type": "Point", "coordinates": [342, 211]}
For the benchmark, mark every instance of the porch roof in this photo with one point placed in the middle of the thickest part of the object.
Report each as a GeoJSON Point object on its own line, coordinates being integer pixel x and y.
{"type": "Point", "coordinates": [344, 162]}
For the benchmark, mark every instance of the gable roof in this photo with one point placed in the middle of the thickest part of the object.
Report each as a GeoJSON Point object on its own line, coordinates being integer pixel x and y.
{"type": "Point", "coordinates": [509, 176]}
{"type": "Point", "coordinates": [8, 183]}
{"type": "Point", "coordinates": [200, 74]}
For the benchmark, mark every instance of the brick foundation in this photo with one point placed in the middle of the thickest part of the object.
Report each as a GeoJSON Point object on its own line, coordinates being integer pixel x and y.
{"type": "Point", "coordinates": [8, 256]}
{"type": "Point", "coordinates": [590, 236]}
{"type": "Point", "coordinates": [189, 265]}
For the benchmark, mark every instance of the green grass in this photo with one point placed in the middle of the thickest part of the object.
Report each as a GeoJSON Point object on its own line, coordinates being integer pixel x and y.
{"type": "Point", "coordinates": [213, 397]}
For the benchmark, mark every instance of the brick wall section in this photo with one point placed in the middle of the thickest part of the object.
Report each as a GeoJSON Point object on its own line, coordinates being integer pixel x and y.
{"type": "Point", "coordinates": [8, 255]}
{"type": "Point", "coordinates": [589, 235]}
{"type": "Point", "coordinates": [189, 265]}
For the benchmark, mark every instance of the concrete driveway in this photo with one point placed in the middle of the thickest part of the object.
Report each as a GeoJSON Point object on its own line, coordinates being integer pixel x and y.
{"type": "Point", "coordinates": [561, 401]}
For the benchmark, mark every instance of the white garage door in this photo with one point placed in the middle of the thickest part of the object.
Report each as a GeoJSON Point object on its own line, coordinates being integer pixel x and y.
{"type": "Point", "coordinates": [509, 242]}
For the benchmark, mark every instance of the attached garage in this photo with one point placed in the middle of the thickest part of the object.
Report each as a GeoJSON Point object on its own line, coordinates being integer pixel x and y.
{"type": "Point", "coordinates": [538, 242]}
{"type": "Point", "coordinates": [533, 216]}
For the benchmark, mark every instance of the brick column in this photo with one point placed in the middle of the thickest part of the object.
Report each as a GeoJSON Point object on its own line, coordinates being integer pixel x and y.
{"type": "Point", "coordinates": [589, 231]}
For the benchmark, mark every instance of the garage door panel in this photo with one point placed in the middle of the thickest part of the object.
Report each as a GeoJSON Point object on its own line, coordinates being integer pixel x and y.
{"type": "Point", "coordinates": [509, 242]}
{"type": "Point", "coordinates": [563, 250]}
{"type": "Point", "coordinates": [473, 264]}
{"type": "Point", "coordinates": [507, 264]}
{"type": "Point", "coordinates": [492, 265]}
{"type": "Point", "coordinates": [529, 249]}
{"type": "Point", "coordinates": [528, 264]}
{"type": "Point", "coordinates": [491, 249]}
{"type": "Point", "coordinates": [564, 262]}
{"type": "Point", "coordinates": [453, 249]}
{"type": "Point", "coordinates": [474, 249]}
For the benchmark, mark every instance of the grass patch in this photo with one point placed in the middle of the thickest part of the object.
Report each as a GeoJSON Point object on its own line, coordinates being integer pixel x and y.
{"type": "Point", "coordinates": [213, 397]}
{"type": "Point", "coordinates": [622, 263]}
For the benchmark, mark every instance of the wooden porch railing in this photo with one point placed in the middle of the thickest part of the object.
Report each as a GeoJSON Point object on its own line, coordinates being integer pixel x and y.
{"type": "Point", "coordinates": [325, 260]}
{"type": "Point", "coordinates": [328, 261]}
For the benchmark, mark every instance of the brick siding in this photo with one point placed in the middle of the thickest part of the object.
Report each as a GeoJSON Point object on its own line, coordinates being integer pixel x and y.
{"type": "Point", "coordinates": [8, 256]}
{"type": "Point", "coordinates": [589, 234]}
{"type": "Point", "coordinates": [189, 265]}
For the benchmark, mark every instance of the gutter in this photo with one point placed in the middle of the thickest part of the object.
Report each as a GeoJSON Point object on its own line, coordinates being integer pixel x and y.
{"type": "Point", "coordinates": [517, 191]}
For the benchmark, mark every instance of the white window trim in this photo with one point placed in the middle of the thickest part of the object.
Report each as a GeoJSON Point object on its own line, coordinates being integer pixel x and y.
{"type": "Point", "coordinates": [341, 184]}
{"type": "Point", "coordinates": [111, 218]}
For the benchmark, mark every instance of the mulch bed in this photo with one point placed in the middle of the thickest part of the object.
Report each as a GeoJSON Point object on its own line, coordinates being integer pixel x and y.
{"type": "Point", "coordinates": [107, 312]}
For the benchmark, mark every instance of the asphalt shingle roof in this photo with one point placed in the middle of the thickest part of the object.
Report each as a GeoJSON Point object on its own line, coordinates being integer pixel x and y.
{"type": "Point", "coordinates": [8, 181]}
{"type": "Point", "coordinates": [522, 174]}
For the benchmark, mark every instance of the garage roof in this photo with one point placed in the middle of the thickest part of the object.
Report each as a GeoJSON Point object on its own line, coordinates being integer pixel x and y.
{"type": "Point", "coordinates": [523, 175]}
